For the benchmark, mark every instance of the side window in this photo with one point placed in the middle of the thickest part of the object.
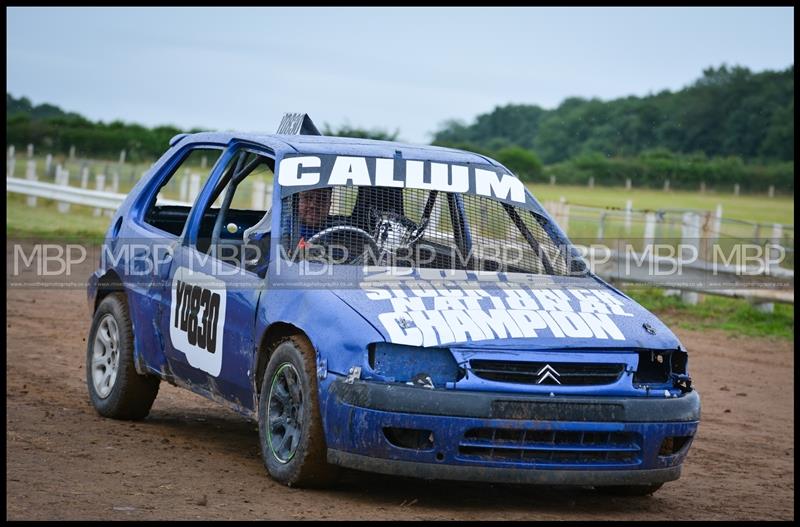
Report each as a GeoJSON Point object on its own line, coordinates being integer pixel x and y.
{"type": "Point", "coordinates": [253, 190]}
{"type": "Point", "coordinates": [170, 209]}
{"type": "Point", "coordinates": [239, 206]}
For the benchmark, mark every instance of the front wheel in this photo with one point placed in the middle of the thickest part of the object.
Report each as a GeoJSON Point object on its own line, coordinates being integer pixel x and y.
{"type": "Point", "coordinates": [629, 490]}
{"type": "Point", "coordinates": [115, 387]}
{"type": "Point", "coordinates": [289, 424]}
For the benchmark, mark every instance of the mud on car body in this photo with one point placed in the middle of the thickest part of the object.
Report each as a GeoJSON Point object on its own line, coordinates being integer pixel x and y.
{"type": "Point", "coordinates": [433, 321]}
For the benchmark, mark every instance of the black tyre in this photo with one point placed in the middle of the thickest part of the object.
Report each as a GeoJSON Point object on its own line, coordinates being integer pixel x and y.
{"type": "Point", "coordinates": [289, 424]}
{"type": "Point", "coordinates": [115, 388]}
{"type": "Point", "coordinates": [629, 490]}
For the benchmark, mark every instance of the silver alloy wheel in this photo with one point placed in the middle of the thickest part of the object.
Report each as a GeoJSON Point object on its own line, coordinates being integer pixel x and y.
{"type": "Point", "coordinates": [105, 356]}
{"type": "Point", "coordinates": [285, 412]}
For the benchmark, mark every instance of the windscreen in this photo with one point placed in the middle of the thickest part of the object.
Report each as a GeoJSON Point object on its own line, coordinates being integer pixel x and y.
{"type": "Point", "coordinates": [411, 227]}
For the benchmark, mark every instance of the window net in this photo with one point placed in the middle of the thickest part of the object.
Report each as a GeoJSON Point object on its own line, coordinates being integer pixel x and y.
{"type": "Point", "coordinates": [407, 227]}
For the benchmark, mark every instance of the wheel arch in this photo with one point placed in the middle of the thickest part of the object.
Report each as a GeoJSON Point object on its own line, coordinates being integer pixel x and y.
{"type": "Point", "coordinates": [107, 284]}
{"type": "Point", "coordinates": [273, 333]}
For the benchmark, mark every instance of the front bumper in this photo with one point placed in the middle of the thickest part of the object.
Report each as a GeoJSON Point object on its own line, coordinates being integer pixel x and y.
{"type": "Point", "coordinates": [483, 436]}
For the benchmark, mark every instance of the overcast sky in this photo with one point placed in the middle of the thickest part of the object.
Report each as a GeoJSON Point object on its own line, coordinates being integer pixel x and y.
{"type": "Point", "coordinates": [390, 68]}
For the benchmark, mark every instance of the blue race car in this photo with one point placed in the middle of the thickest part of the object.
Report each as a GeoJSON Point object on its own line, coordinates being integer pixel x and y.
{"type": "Point", "coordinates": [386, 307]}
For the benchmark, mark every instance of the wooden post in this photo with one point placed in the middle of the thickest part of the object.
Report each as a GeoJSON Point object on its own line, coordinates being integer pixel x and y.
{"type": "Point", "coordinates": [62, 177]}
{"type": "Point", "coordinates": [771, 191]}
{"type": "Point", "coordinates": [268, 198]}
{"type": "Point", "coordinates": [100, 184]}
{"type": "Point", "coordinates": [122, 157]}
{"type": "Point", "coordinates": [194, 186]}
{"type": "Point", "coordinates": [628, 212]}
{"type": "Point", "coordinates": [690, 297]}
{"type": "Point", "coordinates": [775, 242]}
{"type": "Point", "coordinates": [48, 165]}
{"type": "Point", "coordinates": [764, 307]}
{"type": "Point", "coordinates": [627, 183]}
{"type": "Point", "coordinates": [30, 150]}
{"type": "Point", "coordinates": [649, 230]}
{"type": "Point", "coordinates": [564, 208]}
{"type": "Point", "coordinates": [11, 162]}
{"type": "Point", "coordinates": [30, 174]}
{"type": "Point", "coordinates": [690, 238]}
{"type": "Point", "coordinates": [717, 221]}
{"type": "Point", "coordinates": [553, 209]}
{"type": "Point", "coordinates": [690, 233]}
{"type": "Point", "coordinates": [85, 176]}
{"type": "Point", "coordinates": [601, 226]}
{"type": "Point", "coordinates": [72, 153]}
{"type": "Point", "coordinates": [258, 195]}
{"type": "Point", "coordinates": [184, 189]}
{"type": "Point", "coordinates": [666, 185]}
{"type": "Point", "coordinates": [706, 232]}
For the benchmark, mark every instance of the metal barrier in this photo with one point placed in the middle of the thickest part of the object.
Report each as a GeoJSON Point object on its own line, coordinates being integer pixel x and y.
{"type": "Point", "coordinates": [79, 196]}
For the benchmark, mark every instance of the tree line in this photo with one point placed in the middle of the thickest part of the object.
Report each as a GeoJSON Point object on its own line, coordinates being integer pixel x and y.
{"type": "Point", "coordinates": [729, 126]}
{"type": "Point", "coordinates": [49, 128]}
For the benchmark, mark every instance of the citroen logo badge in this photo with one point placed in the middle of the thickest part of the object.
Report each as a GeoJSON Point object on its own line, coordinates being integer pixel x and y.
{"type": "Point", "coordinates": [548, 372]}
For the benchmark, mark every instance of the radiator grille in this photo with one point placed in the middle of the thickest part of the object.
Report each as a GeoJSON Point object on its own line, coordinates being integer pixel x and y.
{"type": "Point", "coordinates": [548, 373]}
{"type": "Point", "coordinates": [551, 446]}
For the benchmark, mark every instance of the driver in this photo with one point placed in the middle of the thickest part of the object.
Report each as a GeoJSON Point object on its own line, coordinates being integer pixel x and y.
{"type": "Point", "coordinates": [313, 211]}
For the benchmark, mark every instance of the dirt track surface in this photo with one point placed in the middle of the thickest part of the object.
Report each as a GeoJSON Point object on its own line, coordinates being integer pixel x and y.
{"type": "Point", "coordinates": [194, 459]}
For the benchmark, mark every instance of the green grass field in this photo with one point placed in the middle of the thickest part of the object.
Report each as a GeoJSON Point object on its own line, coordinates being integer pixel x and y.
{"type": "Point", "coordinates": [735, 316]}
{"type": "Point", "coordinates": [756, 208]}
{"type": "Point", "coordinates": [45, 221]}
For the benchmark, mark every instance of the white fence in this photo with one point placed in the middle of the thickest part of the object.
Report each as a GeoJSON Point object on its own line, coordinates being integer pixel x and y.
{"type": "Point", "coordinates": [65, 194]}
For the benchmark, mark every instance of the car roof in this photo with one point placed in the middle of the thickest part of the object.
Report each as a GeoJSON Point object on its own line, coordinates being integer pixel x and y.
{"type": "Point", "coordinates": [321, 144]}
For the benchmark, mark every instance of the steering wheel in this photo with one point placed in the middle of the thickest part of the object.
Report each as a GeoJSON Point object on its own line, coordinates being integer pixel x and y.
{"type": "Point", "coordinates": [332, 232]}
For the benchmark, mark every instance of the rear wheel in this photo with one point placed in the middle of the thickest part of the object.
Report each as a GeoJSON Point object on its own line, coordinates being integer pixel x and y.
{"type": "Point", "coordinates": [289, 424]}
{"type": "Point", "coordinates": [115, 387]}
{"type": "Point", "coordinates": [629, 490]}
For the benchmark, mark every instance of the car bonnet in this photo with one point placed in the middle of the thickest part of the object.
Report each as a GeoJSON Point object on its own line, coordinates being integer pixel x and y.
{"type": "Point", "coordinates": [544, 312]}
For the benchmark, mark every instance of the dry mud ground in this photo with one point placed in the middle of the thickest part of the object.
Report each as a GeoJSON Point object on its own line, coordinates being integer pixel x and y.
{"type": "Point", "coordinates": [194, 459]}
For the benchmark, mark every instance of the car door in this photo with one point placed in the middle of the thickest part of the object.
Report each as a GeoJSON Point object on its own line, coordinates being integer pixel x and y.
{"type": "Point", "coordinates": [143, 248]}
{"type": "Point", "coordinates": [213, 295]}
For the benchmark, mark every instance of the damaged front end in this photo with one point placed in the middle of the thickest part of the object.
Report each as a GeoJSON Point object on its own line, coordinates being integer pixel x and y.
{"type": "Point", "coordinates": [590, 417]}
